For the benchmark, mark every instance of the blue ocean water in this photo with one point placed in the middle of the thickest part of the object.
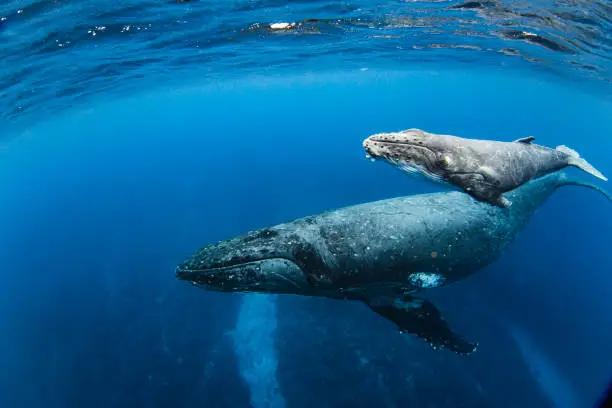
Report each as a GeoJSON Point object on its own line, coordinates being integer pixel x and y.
{"type": "Point", "coordinates": [124, 152]}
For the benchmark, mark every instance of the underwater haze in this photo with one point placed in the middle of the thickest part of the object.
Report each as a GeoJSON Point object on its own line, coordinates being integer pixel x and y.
{"type": "Point", "coordinates": [132, 133]}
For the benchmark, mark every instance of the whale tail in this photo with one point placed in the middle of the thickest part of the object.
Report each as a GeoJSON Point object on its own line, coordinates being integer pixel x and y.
{"type": "Point", "coordinates": [577, 161]}
{"type": "Point", "coordinates": [567, 181]}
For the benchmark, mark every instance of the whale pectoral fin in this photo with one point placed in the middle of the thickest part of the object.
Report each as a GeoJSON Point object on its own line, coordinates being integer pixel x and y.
{"type": "Point", "coordinates": [526, 140]}
{"type": "Point", "coordinates": [504, 202]}
{"type": "Point", "coordinates": [420, 317]}
{"type": "Point", "coordinates": [492, 197]}
{"type": "Point", "coordinates": [483, 187]}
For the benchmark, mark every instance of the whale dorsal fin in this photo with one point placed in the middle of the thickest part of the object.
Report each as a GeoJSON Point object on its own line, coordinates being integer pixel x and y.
{"type": "Point", "coordinates": [526, 140]}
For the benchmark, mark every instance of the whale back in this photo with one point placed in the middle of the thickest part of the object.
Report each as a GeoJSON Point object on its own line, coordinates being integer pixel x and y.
{"type": "Point", "coordinates": [420, 240]}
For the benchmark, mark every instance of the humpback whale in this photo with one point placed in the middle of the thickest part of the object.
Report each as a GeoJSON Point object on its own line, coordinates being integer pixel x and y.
{"type": "Point", "coordinates": [485, 169]}
{"type": "Point", "coordinates": [381, 253]}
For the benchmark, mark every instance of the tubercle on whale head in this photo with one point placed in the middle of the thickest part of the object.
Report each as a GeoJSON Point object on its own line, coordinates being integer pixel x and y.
{"type": "Point", "coordinates": [256, 262]}
{"type": "Point", "coordinates": [381, 144]}
{"type": "Point", "coordinates": [411, 149]}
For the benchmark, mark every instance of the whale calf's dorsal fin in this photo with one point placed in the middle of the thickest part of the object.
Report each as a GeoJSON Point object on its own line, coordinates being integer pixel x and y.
{"type": "Point", "coordinates": [526, 140]}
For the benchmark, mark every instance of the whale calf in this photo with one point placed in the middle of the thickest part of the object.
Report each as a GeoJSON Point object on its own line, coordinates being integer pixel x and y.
{"type": "Point", "coordinates": [485, 169]}
{"type": "Point", "coordinates": [381, 253]}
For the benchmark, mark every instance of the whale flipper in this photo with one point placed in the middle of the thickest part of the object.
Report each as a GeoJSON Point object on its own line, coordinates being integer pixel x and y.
{"type": "Point", "coordinates": [503, 202]}
{"type": "Point", "coordinates": [526, 140]}
{"type": "Point", "coordinates": [420, 317]}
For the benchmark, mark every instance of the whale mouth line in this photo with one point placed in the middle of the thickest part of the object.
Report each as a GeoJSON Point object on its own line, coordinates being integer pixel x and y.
{"type": "Point", "coordinates": [190, 274]}
{"type": "Point", "coordinates": [406, 161]}
{"type": "Point", "coordinates": [247, 276]}
{"type": "Point", "coordinates": [424, 149]}
{"type": "Point", "coordinates": [404, 143]}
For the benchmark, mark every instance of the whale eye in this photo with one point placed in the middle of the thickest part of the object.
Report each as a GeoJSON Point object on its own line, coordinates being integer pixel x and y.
{"type": "Point", "coordinates": [443, 162]}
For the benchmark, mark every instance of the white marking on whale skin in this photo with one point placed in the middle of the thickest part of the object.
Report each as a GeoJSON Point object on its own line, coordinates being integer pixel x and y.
{"type": "Point", "coordinates": [426, 279]}
{"type": "Point", "coordinates": [281, 26]}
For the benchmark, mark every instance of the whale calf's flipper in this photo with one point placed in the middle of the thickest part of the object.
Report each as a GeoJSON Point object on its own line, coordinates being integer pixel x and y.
{"type": "Point", "coordinates": [475, 184]}
{"type": "Point", "coordinates": [420, 317]}
{"type": "Point", "coordinates": [577, 161]}
{"type": "Point", "coordinates": [501, 201]}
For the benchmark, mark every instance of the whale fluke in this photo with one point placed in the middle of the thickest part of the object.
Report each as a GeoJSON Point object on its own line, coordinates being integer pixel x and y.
{"type": "Point", "coordinates": [564, 180]}
{"type": "Point", "coordinates": [577, 161]}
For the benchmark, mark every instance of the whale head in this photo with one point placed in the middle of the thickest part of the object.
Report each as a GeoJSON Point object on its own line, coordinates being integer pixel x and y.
{"type": "Point", "coordinates": [261, 261]}
{"type": "Point", "coordinates": [413, 151]}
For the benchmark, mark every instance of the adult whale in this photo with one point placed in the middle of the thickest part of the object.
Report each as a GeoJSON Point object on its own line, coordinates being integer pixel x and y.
{"type": "Point", "coordinates": [380, 253]}
{"type": "Point", "coordinates": [485, 169]}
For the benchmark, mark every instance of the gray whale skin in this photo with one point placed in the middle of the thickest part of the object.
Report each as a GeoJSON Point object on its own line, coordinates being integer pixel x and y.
{"type": "Point", "coordinates": [380, 253]}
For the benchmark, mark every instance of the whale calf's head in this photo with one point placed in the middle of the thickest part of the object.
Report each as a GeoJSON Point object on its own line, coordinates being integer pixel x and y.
{"type": "Point", "coordinates": [257, 262]}
{"type": "Point", "coordinates": [413, 151]}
